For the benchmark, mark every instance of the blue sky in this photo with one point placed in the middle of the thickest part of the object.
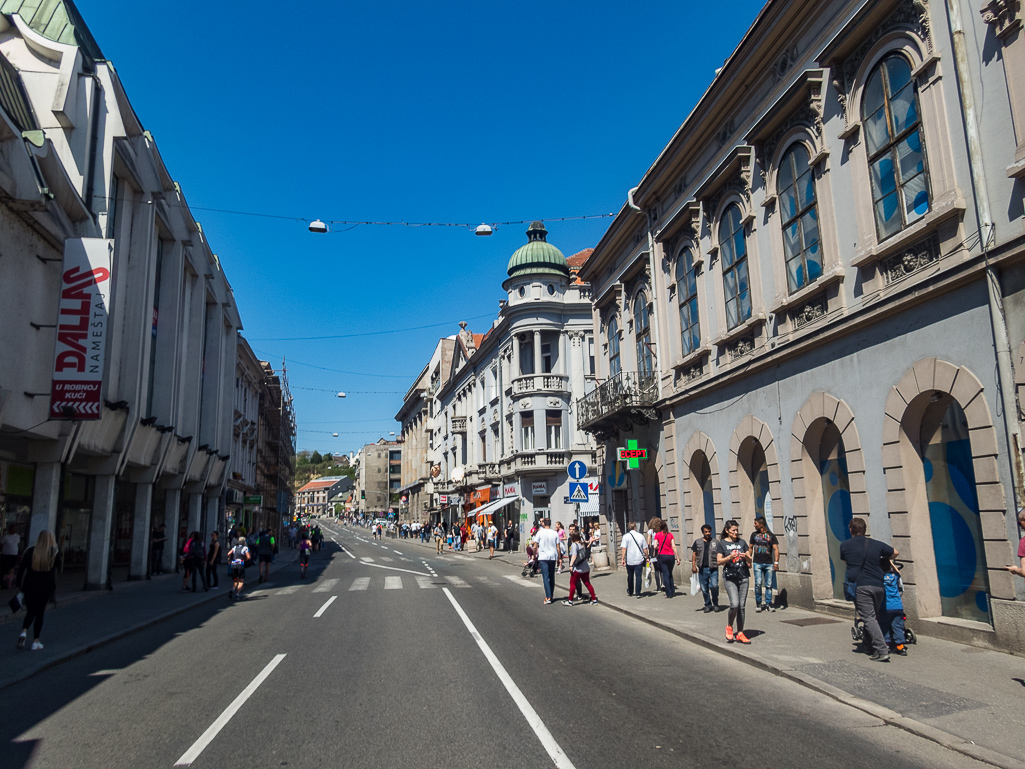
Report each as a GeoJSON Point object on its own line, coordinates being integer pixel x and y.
{"type": "Point", "coordinates": [447, 112]}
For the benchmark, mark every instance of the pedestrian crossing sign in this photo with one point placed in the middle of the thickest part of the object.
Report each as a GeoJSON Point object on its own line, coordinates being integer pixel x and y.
{"type": "Point", "coordinates": [578, 492]}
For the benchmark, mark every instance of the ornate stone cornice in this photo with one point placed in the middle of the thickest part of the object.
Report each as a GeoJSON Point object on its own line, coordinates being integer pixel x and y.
{"type": "Point", "coordinates": [1003, 15]}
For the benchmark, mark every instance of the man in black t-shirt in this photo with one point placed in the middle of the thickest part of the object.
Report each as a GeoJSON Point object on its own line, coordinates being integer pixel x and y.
{"type": "Point", "coordinates": [864, 558]}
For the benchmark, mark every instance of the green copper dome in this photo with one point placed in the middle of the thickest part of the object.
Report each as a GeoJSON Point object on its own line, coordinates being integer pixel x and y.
{"type": "Point", "coordinates": [538, 257]}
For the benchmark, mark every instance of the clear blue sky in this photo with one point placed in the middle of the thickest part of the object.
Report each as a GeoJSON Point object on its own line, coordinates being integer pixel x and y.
{"type": "Point", "coordinates": [441, 112]}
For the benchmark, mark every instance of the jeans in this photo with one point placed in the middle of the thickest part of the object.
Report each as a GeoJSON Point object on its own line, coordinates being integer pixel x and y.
{"type": "Point", "coordinates": [867, 601]}
{"type": "Point", "coordinates": [666, 564]}
{"type": "Point", "coordinates": [548, 577]}
{"type": "Point", "coordinates": [577, 577]}
{"type": "Point", "coordinates": [893, 627]}
{"type": "Point", "coordinates": [158, 560]}
{"type": "Point", "coordinates": [211, 575]}
{"type": "Point", "coordinates": [633, 578]}
{"type": "Point", "coordinates": [763, 576]}
{"type": "Point", "coordinates": [737, 591]}
{"type": "Point", "coordinates": [196, 569]}
{"type": "Point", "coordinates": [709, 581]}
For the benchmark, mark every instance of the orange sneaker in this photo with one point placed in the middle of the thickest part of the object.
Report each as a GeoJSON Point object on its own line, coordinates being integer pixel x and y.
{"type": "Point", "coordinates": [729, 634]}
{"type": "Point", "coordinates": [743, 638]}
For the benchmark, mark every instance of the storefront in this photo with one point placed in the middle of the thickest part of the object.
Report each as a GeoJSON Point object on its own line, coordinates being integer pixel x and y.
{"type": "Point", "coordinates": [73, 520]}
{"type": "Point", "coordinates": [16, 482]}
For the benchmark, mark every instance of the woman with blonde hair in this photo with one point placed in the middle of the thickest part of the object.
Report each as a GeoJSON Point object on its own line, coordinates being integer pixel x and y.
{"type": "Point", "coordinates": [37, 579]}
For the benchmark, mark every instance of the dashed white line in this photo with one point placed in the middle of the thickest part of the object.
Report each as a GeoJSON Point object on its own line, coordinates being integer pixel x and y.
{"type": "Point", "coordinates": [556, 753]}
{"type": "Point", "coordinates": [207, 737]}
{"type": "Point", "coordinates": [396, 551]}
{"type": "Point", "coordinates": [323, 608]}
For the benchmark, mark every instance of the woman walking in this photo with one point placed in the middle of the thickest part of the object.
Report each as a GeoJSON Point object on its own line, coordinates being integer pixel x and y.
{"type": "Point", "coordinates": [734, 557]}
{"type": "Point", "coordinates": [37, 579]}
{"type": "Point", "coordinates": [580, 569]}
{"type": "Point", "coordinates": [654, 527]}
{"type": "Point", "coordinates": [668, 558]}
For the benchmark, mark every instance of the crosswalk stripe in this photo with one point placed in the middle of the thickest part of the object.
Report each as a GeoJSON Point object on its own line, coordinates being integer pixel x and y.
{"type": "Point", "coordinates": [360, 583]}
{"type": "Point", "coordinates": [516, 579]}
{"type": "Point", "coordinates": [367, 559]}
{"type": "Point", "coordinates": [290, 589]}
{"type": "Point", "coordinates": [326, 586]}
{"type": "Point", "coordinates": [386, 559]}
{"type": "Point", "coordinates": [427, 583]}
{"type": "Point", "coordinates": [393, 583]}
{"type": "Point", "coordinates": [456, 581]}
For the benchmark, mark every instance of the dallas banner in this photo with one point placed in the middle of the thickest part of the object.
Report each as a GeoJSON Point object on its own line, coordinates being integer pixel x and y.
{"type": "Point", "coordinates": [81, 329]}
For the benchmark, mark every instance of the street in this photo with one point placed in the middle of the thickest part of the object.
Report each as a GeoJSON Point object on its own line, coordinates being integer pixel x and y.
{"type": "Point", "coordinates": [390, 675]}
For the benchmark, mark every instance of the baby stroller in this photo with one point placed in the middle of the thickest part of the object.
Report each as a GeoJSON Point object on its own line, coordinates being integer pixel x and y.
{"type": "Point", "coordinates": [530, 567]}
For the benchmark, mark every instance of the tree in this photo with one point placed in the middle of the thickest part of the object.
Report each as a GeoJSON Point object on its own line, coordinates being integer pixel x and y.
{"type": "Point", "coordinates": [328, 457]}
{"type": "Point", "coordinates": [316, 459]}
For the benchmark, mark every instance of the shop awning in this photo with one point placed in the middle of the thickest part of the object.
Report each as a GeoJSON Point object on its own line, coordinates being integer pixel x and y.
{"type": "Point", "coordinates": [590, 507]}
{"type": "Point", "coordinates": [491, 507]}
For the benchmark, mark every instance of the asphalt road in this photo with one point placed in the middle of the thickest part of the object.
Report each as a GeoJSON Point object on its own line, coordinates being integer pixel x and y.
{"type": "Point", "coordinates": [391, 675]}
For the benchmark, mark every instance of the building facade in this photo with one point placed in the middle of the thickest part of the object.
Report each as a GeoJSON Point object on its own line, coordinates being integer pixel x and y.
{"type": "Point", "coordinates": [811, 307]}
{"type": "Point", "coordinates": [80, 174]}
{"type": "Point", "coordinates": [501, 428]}
{"type": "Point", "coordinates": [378, 479]}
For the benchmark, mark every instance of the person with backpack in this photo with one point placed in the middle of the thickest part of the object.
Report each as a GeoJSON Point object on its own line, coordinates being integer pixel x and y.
{"type": "Point", "coordinates": [892, 620]}
{"type": "Point", "coordinates": [305, 546]}
{"type": "Point", "coordinates": [580, 569]}
{"type": "Point", "coordinates": [633, 549]}
{"type": "Point", "coordinates": [734, 557]}
{"type": "Point", "coordinates": [265, 553]}
{"type": "Point", "coordinates": [195, 560]}
{"type": "Point", "coordinates": [238, 556]}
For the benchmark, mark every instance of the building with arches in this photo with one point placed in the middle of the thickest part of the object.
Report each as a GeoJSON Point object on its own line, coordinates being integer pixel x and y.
{"type": "Point", "coordinates": [812, 306]}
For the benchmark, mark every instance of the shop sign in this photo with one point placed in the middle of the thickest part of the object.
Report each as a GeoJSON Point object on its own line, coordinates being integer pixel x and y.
{"type": "Point", "coordinates": [253, 499]}
{"type": "Point", "coordinates": [511, 490]}
{"type": "Point", "coordinates": [82, 319]}
{"type": "Point", "coordinates": [538, 488]}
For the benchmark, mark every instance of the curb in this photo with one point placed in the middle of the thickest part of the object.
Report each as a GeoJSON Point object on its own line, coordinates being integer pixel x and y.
{"type": "Point", "coordinates": [85, 648]}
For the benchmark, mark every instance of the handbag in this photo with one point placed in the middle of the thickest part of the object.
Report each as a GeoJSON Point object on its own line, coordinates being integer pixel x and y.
{"type": "Point", "coordinates": [850, 587]}
{"type": "Point", "coordinates": [16, 602]}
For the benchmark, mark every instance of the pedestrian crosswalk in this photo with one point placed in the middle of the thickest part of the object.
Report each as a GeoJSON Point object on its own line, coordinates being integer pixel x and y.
{"type": "Point", "coordinates": [389, 582]}
{"type": "Point", "coordinates": [325, 586]}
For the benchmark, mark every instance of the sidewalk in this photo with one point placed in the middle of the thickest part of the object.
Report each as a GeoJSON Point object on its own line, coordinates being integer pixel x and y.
{"type": "Point", "coordinates": [965, 698]}
{"type": "Point", "coordinates": [85, 620]}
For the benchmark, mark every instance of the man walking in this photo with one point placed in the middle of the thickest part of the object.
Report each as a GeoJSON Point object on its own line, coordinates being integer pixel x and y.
{"type": "Point", "coordinates": [265, 553]}
{"type": "Point", "coordinates": [864, 557]}
{"type": "Point", "coordinates": [439, 537]}
{"type": "Point", "coordinates": [633, 558]}
{"type": "Point", "coordinates": [510, 535]}
{"type": "Point", "coordinates": [547, 542]}
{"type": "Point", "coordinates": [704, 563]}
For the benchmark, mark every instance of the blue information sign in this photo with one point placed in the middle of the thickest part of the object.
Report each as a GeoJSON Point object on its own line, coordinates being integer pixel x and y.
{"type": "Point", "coordinates": [577, 470]}
{"type": "Point", "coordinates": [578, 492]}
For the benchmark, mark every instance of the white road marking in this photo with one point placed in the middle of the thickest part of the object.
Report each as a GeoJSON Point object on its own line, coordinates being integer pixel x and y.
{"type": "Point", "coordinates": [326, 586]}
{"type": "Point", "coordinates": [396, 551]}
{"type": "Point", "coordinates": [457, 581]}
{"type": "Point", "coordinates": [323, 608]}
{"type": "Point", "coordinates": [207, 737]}
{"type": "Point", "coordinates": [393, 583]}
{"type": "Point", "coordinates": [360, 583]}
{"type": "Point", "coordinates": [386, 559]}
{"type": "Point", "coordinates": [518, 580]}
{"type": "Point", "coordinates": [427, 583]}
{"type": "Point", "coordinates": [348, 553]}
{"type": "Point", "coordinates": [558, 756]}
{"type": "Point", "coordinates": [366, 559]}
{"type": "Point", "coordinates": [392, 568]}
{"type": "Point", "coordinates": [290, 589]}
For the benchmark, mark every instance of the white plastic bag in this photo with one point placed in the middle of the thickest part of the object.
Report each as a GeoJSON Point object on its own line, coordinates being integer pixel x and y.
{"type": "Point", "coordinates": [695, 584]}
{"type": "Point", "coordinates": [647, 574]}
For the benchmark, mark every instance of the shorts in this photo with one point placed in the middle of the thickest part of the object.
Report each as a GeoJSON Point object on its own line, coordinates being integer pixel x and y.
{"type": "Point", "coordinates": [238, 571]}
{"type": "Point", "coordinates": [266, 558]}
{"type": "Point", "coordinates": [304, 559]}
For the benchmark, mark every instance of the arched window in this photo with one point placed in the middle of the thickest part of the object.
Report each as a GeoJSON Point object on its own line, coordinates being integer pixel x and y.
{"type": "Point", "coordinates": [687, 291]}
{"type": "Point", "coordinates": [736, 283]}
{"type": "Point", "coordinates": [615, 366]}
{"type": "Point", "coordinates": [642, 331]}
{"type": "Point", "coordinates": [796, 185]}
{"type": "Point", "coordinates": [896, 149]}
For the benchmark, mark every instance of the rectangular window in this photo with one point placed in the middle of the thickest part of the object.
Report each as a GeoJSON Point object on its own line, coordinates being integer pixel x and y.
{"type": "Point", "coordinates": [527, 430]}
{"type": "Point", "coordinates": [590, 355]}
{"type": "Point", "coordinates": [553, 423]}
{"type": "Point", "coordinates": [484, 448]}
{"type": "Point", "coordinates": [546, 358]}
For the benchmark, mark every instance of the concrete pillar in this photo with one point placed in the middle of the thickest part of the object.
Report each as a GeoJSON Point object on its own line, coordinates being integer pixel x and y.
{"type": "Point", "coordinates": [45, 500]}
{"type": "Point", "coordinates": [213, 520]}
{"type": "Point", "coordinates": [516, 370]}
{"type": "Point", "coordinates": [564, 367]}
{"type": "Point", "coordinates": [537, 352]}
{"type": "Point", "coordinates": [172, 511]}
{"type": "Point", "coordinates": [195, 513]}
{"type": "Point", "coordinates": [138, 566]}
{"type": "Point", "coordinates": [99, 533]}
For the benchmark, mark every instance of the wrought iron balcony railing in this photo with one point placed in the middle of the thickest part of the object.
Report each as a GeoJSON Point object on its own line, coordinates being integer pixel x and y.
{"type": "Point", "coordinates": [620, 396]}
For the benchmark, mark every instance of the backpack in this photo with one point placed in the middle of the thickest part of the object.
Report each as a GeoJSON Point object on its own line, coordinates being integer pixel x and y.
{"type": "Point", "coordinates": [197, 550]}
{"type": "Point", "coordinates": [583, 555]}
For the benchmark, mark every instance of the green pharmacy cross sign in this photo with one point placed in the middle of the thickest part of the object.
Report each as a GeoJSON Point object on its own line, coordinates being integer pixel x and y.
{"type": "Point", "coordinates": [632, 455]}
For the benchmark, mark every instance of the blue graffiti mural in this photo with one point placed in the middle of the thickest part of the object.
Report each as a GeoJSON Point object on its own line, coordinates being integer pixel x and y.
{"type": "Point", "coordinates": [956, 526]}
{"type": "Point", "coordinates": [836, 497]}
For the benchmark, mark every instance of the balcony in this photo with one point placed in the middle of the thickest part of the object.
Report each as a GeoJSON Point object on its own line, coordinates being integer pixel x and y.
{"type": "Point", "coordinates": [537, 383]}
{"type": "Point", "coordinates": [620, 403]}
{"type": "Point", "coordinates": [459, 425]}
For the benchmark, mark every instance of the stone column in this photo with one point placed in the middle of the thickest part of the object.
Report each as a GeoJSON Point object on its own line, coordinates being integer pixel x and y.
{"type": "Point", "coordinates": [138, 566]}
{"type": "Point", "coordinates": [564, 367]}
{"type": "Point", "coordinates": [537, 352]}
{"type": "Point", "coordinates": [195, 513]}
{"type": "Point", "coordinates": [516, 370]}
{"type": "Point", "coordinates": [172, 511]}
{"type": "Point", "coordinates": [45, 500]}
{"type": "Point", "coordinates": [99, 533]}
{"type": "Point", "coordinates": [213, 520]}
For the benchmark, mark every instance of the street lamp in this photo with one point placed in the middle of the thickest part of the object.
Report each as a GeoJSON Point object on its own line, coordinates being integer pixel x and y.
{"type": "Point", "coordinates": [318, 226]}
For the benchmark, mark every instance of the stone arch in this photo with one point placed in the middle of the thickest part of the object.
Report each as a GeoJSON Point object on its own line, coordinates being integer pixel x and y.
{"type": "Point", "coordinates": [752, 432]}
{"type": "Point", "coordinates": [928, 381]}
{"type": "Point", "coordinates": [822, 416]}
{"type": "Point", "coordinates": [698, 451]}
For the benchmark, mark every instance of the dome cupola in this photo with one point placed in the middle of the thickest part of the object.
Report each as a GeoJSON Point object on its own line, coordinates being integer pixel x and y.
{"type": "Point", "coordinates": [538, 256]}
